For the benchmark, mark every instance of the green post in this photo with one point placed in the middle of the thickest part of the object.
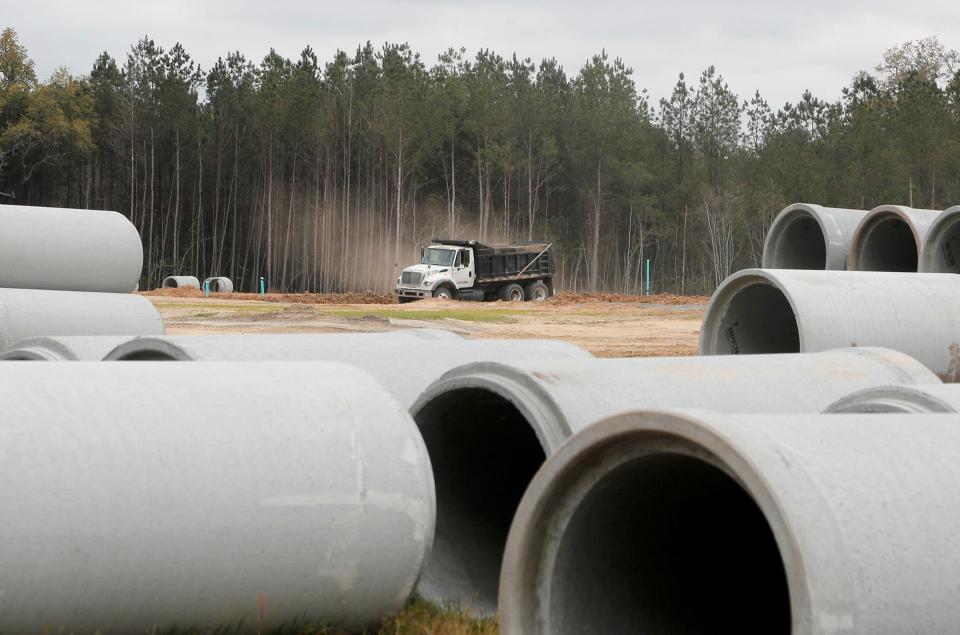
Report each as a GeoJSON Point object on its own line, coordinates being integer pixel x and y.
{"type": "Point", "coordinates": [648, 276]}
{"type": "Point", "coordinates": [206, 288]}
{"type": "Point", "coordinates": [263, 286]}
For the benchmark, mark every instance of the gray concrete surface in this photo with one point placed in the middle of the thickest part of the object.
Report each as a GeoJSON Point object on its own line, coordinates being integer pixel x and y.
{"type": "Point", "coordinates": [140, 497]}
{"type": "Point", "coordinates": [902, 399]}
{"type": "Point", "coordinates": [941, 244]}
{"type": "Point", "coordinates": [76, 348]}
{"type": "Point", "coordinates": [889, 238]}
{"type": "Point", "coordinates": [180, 282]}
{"type": "Point", "coordinates": [805, 236]}
{"type": "Point", "coordinates": [219, 284]}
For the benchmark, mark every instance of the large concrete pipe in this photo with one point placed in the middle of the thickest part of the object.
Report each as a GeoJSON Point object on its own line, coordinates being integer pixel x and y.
{"type": "Point", "coordinates": [63, 349]}
{"type": "Point", "coordinates": [805, 236]}
{"type": "Point", "coordinates": [180, 282]}
{"type": "Point", "coordinates": [941, 245]}
{"type": "Point", "coordinates": [488, 428]}
{"type": "Point", "coordinates": [784, 311]}
{"type": "Point", "coordinates": [405, 362]}
{"type": "Point", "coordinates": [205, 495]}
{"type": "Point", "coordinates": [889, 238]}
{"type": "Point", "coordinates": [902, 399]}
{"type": "Point", "coordinates": [694, 522]}
{"type": "Point", "coordinates": [68, 249]}
{"type": "Point", "coordinates": [31, 312]}
{"type": "Point", "coordinates": [219, 284]}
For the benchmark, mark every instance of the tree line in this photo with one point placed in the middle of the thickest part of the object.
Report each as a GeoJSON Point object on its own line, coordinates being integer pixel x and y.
{"type": "Point", "coordinates": [327, 175]}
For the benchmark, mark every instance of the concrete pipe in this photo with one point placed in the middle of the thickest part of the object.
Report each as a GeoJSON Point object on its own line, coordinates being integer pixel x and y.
{"type": "Point", "coordinates": [62, 349]}
{"type": "Point", "coordinates": [903, 399]}
{"type": "Point", "coordinates": [405, 362]}
{"type": "Point", "coordinates": [941, 245]}
{"type": "Point", "coordinates": [180, 282]}
{"type": "Point", "coordinates": [694, 522]}
{"type": "Point", "coordinates": [219, 284]}
{"type": "Point", "coordinates": [805, 236]}
{"type": "Point", "coordinates": [489, 427]}
{"type": "Point", "coordinates": [30, 313]}
{"type": "Point", "coordinates": [182, 495]}
{"type": "Point", "coordinates": [783, 311]}
{"type": "Point", "coordinates": [889, 238]}
{"type": "Point", "coordinates": [68, 249]}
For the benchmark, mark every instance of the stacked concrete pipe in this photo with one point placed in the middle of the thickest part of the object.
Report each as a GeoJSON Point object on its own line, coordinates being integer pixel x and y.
{"type": "Point", "coordinates": [902, 399]}
{"type": "Point", "coordinates": [805, 236]}
{"type": "Point", "coordinates": [889, 238]}
{"type": "Point", "coordinates": [941, 245]}
{"type": "Point", "coordinates": [218, 284]}
{"type": "Point", "coordinates": [75, 348]}
{"type": "Point", "coordinates": [30, 313]}
{"type": "Point", "coordinates": [789, 311]}
{"type": "Point", "coordinates": [181, 495]}
{"type": "Point", "coordinates": [691, 522]}
{"type": "Point", "coordinates": [404, 362]}
{"type": "Point", "coordinates": [180, 282]}
{"type": "Point", "coordinates": [488, 428]}
{"type": "Point", "coordinates": [68, 250]}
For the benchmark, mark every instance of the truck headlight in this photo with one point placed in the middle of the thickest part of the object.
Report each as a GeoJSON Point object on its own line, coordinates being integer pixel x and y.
{"type": "Point", "coordinates": [426, 283]}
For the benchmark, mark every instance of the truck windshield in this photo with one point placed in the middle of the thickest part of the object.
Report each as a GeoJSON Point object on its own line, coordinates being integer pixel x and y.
{"type": "Point", "coordinates": [442, 257]}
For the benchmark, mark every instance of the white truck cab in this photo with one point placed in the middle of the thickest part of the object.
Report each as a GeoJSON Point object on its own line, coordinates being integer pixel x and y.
{"type": "Point", "coordinates": [443, 271]}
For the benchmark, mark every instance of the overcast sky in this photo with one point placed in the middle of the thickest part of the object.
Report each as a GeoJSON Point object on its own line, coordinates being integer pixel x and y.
{"type": "Point", "coordinates": [780, 48]}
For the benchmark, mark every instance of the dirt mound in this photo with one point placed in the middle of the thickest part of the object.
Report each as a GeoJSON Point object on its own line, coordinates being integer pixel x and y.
{"type": "Point", "coordinates": [367, 297]}
{"type": "Point", "coordinates": [565, 297]}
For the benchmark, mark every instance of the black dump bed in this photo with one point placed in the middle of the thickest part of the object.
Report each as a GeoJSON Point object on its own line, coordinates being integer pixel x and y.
{"type": "Point", "coordinates": [497, 263]}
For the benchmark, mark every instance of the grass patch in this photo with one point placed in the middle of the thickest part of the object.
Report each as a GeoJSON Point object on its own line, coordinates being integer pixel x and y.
{"type": "Point", "coordinates": [466, 315]}
{"type": "Point", "coordinates": [220, 307]}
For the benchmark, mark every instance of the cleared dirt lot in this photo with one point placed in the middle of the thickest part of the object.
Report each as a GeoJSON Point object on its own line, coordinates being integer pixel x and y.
{"type": "Point", "coordinates": [605, 325]}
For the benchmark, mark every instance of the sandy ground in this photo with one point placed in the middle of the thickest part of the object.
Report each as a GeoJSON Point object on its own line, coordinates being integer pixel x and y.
{"type": "Point", "coordinates": [607, 326]}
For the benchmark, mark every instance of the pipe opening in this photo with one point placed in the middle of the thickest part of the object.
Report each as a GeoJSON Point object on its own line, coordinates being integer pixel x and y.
{"type": "Point", "coordinates": [798, 243]}
{"type": "Point", "coordinates": [942, 253]}
{"type": "Point", "coordinates": [146, 356]}
{"type": "Point", "coordinates": [887, 244]}
{"type": "Point", "coordinates": [170, 283]}
{"type": "Point", "coordinates": [484, 454]}
{"type": "Point", "coordinates": [668, 543]}
{"type": "Point", "coordinates": [758, 319]}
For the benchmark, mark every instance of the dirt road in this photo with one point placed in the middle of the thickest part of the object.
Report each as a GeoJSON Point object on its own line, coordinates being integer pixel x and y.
{"type": "Point", "coordinates": [607, 326]}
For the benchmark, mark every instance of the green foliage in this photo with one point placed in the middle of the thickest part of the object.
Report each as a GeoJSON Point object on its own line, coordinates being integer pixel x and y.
{"type": "Point", "coordinates": [327, 176]}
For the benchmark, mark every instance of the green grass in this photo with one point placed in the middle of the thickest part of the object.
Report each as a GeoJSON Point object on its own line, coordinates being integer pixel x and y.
{"type": "Point", "coordinates": [466, 315]}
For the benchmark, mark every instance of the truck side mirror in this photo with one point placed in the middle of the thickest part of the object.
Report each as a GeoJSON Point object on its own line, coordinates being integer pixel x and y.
{"type": "Point", "coordinates": [423, 250]}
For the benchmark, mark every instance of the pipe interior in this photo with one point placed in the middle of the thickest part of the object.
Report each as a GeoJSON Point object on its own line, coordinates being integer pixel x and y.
{"type": "Point", "coordinates": [799, 244]}
{"type": "Point", "coordinates": [484, 454]}
{"type": "Point", "coordinates": [945, 249]}
{"type": "Point", "coordinates": [146, 356]}
{"type": "Point", "coordinates": [668, 543]}
{"type": "Point", "coordinates": [758, 319]}
{"type": "Point", "coordinates": [170, 284]}
{"type": "Point", "coordinates": [887, 244]}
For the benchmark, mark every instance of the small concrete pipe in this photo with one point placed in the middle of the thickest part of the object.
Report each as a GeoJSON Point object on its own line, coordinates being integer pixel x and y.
{"type": "Point", "coordinates": [77, 348]}
{"type": "Point", "coordinates": [489, 427]}
{"type": "Point", "coordinates": [180, 282]}
{"type": "Point", "coordinates": [405, 362]}
{"type": "Point", "coordinates": [695, 522]}
{"type": "Point", "coordinates": [158, 496]}
{"type": "Point", "coordinates": [785, 311]}
{"type": "Point", "coordinates": [68, 249]}
{"type": "Point", "coordinates": [219, 284]}
{"type": "Point", "coordinates": [804, 236]}
{"type": "Point", "coordinates": [31, 312]}
{"type": "Point", "coordinates": [889, 238]}
{"type": "Point", "coordinates": [903, 399]}
{"type": "Point", "coordinates": [941, 245]}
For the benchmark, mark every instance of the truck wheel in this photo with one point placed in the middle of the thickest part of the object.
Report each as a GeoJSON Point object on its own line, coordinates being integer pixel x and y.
{"type": "Point", "coordinates": [445, 293]}
{"type": "Point", "coordinates": [537, 291]}
{"type": "Point", "coordinates": [511, 293]}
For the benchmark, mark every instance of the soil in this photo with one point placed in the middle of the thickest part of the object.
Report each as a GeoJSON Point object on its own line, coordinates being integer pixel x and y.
{"type": "Point", "coordinates": [606, 325]}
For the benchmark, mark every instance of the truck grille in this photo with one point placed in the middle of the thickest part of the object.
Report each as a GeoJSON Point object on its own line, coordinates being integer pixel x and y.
{"type": "Point", "coordinates": [411, 278]}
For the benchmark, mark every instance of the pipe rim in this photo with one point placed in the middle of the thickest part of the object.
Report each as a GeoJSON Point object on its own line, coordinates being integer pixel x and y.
{"type": "Point", "coordinates": [31, 354]}
{"type": "Point", "coordinates": [148, 346]}
{"type": "Point", "coordinates": [534, 541]}
{"type": "Point", "coordinates": [934, 236]}
{"type": "Point", "coordinates": [870, 220]}
{"type": "Point", "coordinates": [787, 216]}
{"type": "Point", "coordinates": [724, 295]}
{"type": "Point", "coordinates": [889, 399]}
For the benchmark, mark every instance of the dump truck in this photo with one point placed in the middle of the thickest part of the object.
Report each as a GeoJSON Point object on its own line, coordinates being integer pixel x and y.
{"type": "Point", "coordinates": [474, 270]}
